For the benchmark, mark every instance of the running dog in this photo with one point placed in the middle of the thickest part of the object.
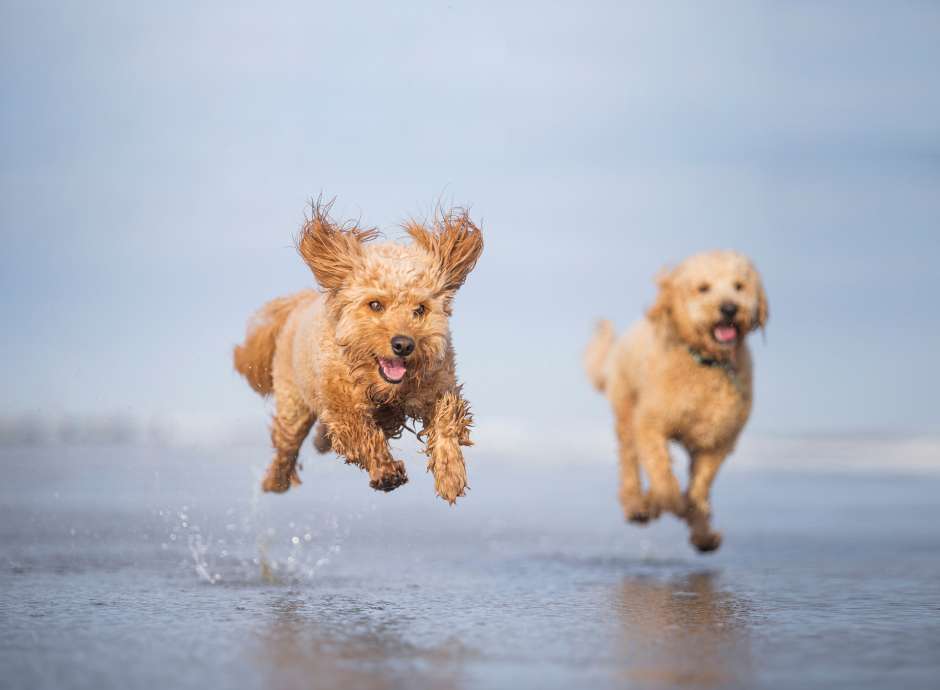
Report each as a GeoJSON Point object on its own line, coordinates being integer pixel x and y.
{"type": "Point", "coordinates": [368, 352]}
{"type": "Point", "coordinates": [684, 374]}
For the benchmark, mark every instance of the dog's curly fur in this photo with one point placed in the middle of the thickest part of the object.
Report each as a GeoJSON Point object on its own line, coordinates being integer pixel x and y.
{"type": "Point", "coordinates": [322, 354]}
{"type": "Point", "coordinates": [670, 378]}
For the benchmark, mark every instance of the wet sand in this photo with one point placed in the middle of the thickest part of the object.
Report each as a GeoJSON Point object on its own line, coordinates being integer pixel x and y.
{"type": "Point", "coordinates": [130, 567]}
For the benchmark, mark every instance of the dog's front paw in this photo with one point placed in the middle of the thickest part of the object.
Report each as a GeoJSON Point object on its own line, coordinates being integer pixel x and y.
{"type": "Point", "coordinates": [452, 484]}
{"type": "Point", "coordinates": [279, 477]}
{"type": "Point", "coordinates": [706, 541]}
{"type": "Point", "coordinates": [636, 508]}
{"type": "Point", "coordinates": [389, 476]}
{"type": "Point", "coordinates": [668, 500]}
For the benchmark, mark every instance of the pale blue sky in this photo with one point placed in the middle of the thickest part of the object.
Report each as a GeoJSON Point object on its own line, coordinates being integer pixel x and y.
{"type": "Point", "coordinates": [155, 160]}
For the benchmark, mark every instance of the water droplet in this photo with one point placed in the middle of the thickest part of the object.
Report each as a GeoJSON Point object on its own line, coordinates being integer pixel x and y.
{"type": "Point", "coordinates": [295, 540]}
{"type": "Point", "coordinates": [308, 536]}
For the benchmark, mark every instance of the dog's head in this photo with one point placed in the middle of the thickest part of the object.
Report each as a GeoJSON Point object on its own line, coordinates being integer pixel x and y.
{"type": "Point", "coordinates": [391, 303]}
{"type": "Point", "coordinates": [711, 301]}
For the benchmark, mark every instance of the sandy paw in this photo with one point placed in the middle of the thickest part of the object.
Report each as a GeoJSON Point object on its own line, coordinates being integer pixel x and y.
{"type": "Point", "coordinates": [450, 487]}
{"type": "Point", "coordinates": [706, 541]}
{"type": "Point", "coordinates": [389, 477]}
{"type": "Point", "coordinates": [635, 508]}
{"type": "Point", "coordinates": [279, 478]}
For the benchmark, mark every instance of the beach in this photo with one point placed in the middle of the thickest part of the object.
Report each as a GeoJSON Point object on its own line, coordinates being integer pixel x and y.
{"type": "Point", "coordinates": [129, 567]}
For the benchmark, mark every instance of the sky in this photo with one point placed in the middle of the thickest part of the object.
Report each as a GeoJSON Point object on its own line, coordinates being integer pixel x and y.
{"type": "Point", "coordinates": [156, 159]}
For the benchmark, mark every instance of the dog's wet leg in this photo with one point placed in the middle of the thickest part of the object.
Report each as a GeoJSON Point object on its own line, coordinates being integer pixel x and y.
{"type": "Point", "coordinates": [360, 441]}
{"type": "Point", "coordinates": [703, 469]}
{"type": "Point", "coordinates": [290, 426]}
{"type": "Point", "coordinates": [448, 429]}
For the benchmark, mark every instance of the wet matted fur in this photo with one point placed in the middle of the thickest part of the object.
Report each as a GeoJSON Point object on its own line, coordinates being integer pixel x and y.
{"type": "Point", "coordinates": [682, 374]}
{"type": "Point", "coordinates": [329, 357]}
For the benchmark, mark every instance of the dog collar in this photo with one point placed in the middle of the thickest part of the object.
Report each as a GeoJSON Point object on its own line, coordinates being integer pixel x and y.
{"type": "Point", "coordinates": [724, 365]}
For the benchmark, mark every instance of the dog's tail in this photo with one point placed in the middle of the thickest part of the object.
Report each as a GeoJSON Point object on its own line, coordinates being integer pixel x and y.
{"type": "Point", "coordinates": [253, 359]}
{"type": "Point", "coordinates": [595, 356]}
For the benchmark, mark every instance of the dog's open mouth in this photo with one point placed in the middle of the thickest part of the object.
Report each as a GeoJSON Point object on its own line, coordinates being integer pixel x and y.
{"type": "Point", "coordinates": [392, 369]}
{"type": "Point", "coordinates": [725, 333]}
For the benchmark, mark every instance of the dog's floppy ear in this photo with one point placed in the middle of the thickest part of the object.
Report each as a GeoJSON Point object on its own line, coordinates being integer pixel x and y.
{"type": "Point", "coordinates": [455, 243]}
{"type": "Point", "coordinates": [763, 310]}
{"type": "Point", "coordinates": [662, 307]}
{"type": "Point", "coordinates": [331, 251]}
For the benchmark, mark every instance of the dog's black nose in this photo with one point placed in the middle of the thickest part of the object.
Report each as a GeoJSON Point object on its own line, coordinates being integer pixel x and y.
{"type": "Point", "coordinates": [402, 345]}
{"type": "Point", "coordinates": [728, 309]}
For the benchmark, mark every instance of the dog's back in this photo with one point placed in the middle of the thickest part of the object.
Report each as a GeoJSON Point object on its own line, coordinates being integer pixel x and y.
{"type": "Point", "coordinates": [254, 358]}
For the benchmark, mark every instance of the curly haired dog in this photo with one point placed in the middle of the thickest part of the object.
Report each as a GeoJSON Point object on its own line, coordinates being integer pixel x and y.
{"type": "Point", "coordinates": [682, 374]}
{"type": "Point", "coordinates": [369, 352]}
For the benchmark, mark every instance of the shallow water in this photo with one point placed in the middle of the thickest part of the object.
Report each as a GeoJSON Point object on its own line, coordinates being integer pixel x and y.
{"type": "Point", "coordinates": [129, 567]}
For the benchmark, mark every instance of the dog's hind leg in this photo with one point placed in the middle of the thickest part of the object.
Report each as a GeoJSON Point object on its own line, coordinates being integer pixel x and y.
{"type": "Point", "coordinates": [635, 506]}
{"type": "Point", "coordinates": [290, 426]}
{"type": "Point", "coordinates": [703, 468]}
{"type": "Point", "coordinates": [321, 439]}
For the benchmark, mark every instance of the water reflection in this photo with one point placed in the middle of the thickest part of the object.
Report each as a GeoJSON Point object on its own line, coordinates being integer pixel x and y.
{"type": "Point", "coordinates": [683, 632]}
{"type": "Point", "coordinates": [338, 643]}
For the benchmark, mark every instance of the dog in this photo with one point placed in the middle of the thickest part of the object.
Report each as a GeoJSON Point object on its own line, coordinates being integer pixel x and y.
{"type": "Point", "coordinates": [684, 374]}
{"type": "Point", "coordinates": [368, 352]}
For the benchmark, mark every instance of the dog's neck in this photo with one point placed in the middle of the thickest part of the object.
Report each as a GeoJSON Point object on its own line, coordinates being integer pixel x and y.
{"type": "Point", "coordinates": [729, 366]}
{"type": "Point", "coordinates": [707, 360]}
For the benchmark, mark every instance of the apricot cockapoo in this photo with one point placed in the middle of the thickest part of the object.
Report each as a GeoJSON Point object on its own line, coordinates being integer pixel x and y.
{"type": "Point", "coordinates": [682, 374]}
{"type": "Point", "coordinates": [369, 352]}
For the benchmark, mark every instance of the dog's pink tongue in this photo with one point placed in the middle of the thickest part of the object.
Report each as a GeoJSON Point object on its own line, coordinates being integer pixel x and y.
{"type": "Point", "coordinates": [393, 368]}
{"type": "Point", "coordinates": [725, 334]}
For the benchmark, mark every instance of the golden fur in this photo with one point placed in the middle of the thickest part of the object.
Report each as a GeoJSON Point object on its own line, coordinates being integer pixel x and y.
{"type": "Point", "coordinates": [320, 354]}
{"type": "Point", "coordinates": [668, 378]}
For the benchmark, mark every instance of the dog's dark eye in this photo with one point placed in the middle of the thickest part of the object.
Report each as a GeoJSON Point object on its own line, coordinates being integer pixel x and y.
{"type": "Point", "coordinates": [704, 287]}
{"type": "Point", "coordinates": [375, 305]}
{"type": "Point", "coordinates": [739, 286]}
{"type": "Point", "coordinates": [419, 311]}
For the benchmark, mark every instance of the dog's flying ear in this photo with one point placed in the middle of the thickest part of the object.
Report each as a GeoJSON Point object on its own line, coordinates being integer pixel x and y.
{"type": "Point", "coordinates": [455, 242]}
{"type": "Point", "coordinates": [763, 310]}
{"type": "Point", "coordinates": [331, 251]}
{"type": "Point", "coordinates": [663, 304]}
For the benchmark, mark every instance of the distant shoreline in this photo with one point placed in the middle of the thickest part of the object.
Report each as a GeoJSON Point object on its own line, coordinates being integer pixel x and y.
{"type": "Point", "coordinates": [519, 442]}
